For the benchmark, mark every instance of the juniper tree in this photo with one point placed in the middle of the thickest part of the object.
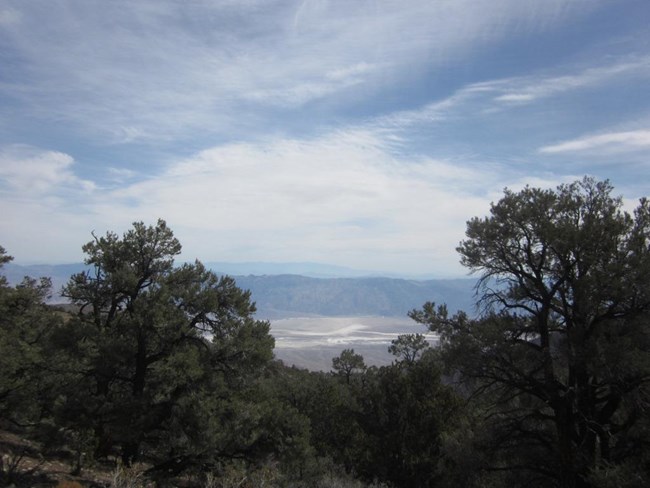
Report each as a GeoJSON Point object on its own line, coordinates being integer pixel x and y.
{"type": "Point", "coordinates": [560, 352]}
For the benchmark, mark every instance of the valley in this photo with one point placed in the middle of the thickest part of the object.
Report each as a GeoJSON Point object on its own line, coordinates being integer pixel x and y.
{"type": "Point", "coordinates": [312, 342]}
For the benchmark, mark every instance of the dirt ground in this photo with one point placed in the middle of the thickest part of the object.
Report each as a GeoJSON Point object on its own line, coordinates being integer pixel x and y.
{"type": "Point", "coordinates": [22, 464]}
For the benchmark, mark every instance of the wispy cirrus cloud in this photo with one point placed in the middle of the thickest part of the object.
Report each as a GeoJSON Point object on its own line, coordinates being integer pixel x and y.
{"type": "Point", "coordinates": [160, 70]}
{"type": "Point", "coordinates": [610, 142]}
{"type": "Point", "coordinates": [360, 133]}
{"type": "Point", "coordinates": [530, 89]}
{"type": "Point", "coordinates": [495, 95]}
{"type": "Point", "coordinates": [297, 95]}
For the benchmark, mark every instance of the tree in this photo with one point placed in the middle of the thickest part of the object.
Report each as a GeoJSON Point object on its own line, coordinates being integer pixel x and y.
{"type": "Point", "coordinates": [347, 363]}
{"type": "Point", "coordinates": [25, 322]}
{"type": "Point", "coordinates": [4, 259]}
{"type": "Point", "coordinates": [165, 357]}
{"type": "Point", "coordinates": [405, 414]}
{"type": "Point", "coordinates": [560, 352]}
{"type": "Point", "coordinates": [408, 347]}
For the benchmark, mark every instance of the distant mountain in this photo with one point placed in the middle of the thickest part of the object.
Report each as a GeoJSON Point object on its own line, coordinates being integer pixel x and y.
{"type": "Point", "coordinates": [59, 273]}
{"type": "Point", "coordinates": [312, 270]}
{"type": "Point", "coordinates": [291, 295]}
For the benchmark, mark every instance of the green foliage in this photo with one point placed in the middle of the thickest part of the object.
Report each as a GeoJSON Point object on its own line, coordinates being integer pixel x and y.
{"type": "Point", "coordinates": [164, 358]}
{"type": "Point", "coordinates": [408, 347]}
{"type": "Point", "coordinates": [405, 413]}
{"type": "Point", "coordinates": [348, 363]}
{"type": "Point", "coordinates": [161, 363]}
{"type": "Point", "coordinates": [25, 322]}
{"type": "Point", "coordinates": [559, 359]}
{"type": "Point", "coordinates": [387, 425]}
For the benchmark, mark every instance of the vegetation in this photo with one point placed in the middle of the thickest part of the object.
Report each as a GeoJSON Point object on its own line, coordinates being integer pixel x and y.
{"type": "Point", "coordinates": [160, 374]}
{"type": "Point", "coordinates": [558, 364]}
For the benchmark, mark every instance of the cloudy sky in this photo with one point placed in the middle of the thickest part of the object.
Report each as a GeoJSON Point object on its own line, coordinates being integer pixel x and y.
{"type": "Point", "coordinates": [361, 133]}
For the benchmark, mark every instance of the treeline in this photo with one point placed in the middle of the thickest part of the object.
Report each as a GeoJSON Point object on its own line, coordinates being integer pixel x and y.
{"type": "Point", "coordinates": [167, 366]}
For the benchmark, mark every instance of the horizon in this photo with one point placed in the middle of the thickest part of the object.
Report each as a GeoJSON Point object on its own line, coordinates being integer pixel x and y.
{"type": "Point", "coordinates": [364, 135]}
{"type": "Point", "coordinates": [268, 268]}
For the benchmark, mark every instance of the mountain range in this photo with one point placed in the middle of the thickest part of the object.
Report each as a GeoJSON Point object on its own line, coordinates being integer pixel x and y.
{"type": "Point", "coordinates": [291, 295]}
{"type": "Point", "coordinates": [314, 317]}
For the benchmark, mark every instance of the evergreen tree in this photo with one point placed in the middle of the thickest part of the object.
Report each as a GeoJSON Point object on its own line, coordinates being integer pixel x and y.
{"type": "Point", "coordinates": [348, 363]}
{"type": "Point", "coordinates": [408, 347]}
{"type": "Point", "coordinates": [560, 355]}
{"type": "Point", "coordinates": [26, 321]}
{"type": "Point", "coordinates": [166, 357]}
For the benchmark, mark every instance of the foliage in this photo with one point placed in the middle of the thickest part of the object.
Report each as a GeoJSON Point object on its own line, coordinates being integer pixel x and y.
{"type": "Point", "coordinates": [25, 322]}
{"type": "Point", "coordinates": [387, 425]}
{"type": "Point", "coordinates": [560, 356]}
{"type": "Point", "coordinates": [348, 363]}
{"type": "Point", "coordinates": [405, 414]}
{"type": "Point", "coordinates": [408, 347]}
{"type": "Point", "coordinates": [164, 366]}
{"type": "Point", "coordinates": [164, 355]}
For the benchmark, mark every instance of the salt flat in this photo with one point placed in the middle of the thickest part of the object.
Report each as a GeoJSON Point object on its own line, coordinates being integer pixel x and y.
{"type": "Point", "coordinates": [312, 342]}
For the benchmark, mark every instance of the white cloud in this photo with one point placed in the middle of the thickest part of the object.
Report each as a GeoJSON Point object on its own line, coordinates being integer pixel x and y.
{"type": "Point", "coordinates": [121, 175]}
{"type": "Point", "coordinates": [344, 197]}
{"type": "Point", "coordinates": [348, 197]}
{"type": "Point", "coordinates": [44, 204]}
{"type": "Point", "coordinates": [610, 142]}
{"type": "Point", "coordinates": [516, 97]}
{"type": "Point", "coordinates": [29, 171]}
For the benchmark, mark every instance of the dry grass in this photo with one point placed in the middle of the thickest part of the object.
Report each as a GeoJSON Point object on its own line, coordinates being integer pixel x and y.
{"type": "Point", "coordinates": [23, 464]}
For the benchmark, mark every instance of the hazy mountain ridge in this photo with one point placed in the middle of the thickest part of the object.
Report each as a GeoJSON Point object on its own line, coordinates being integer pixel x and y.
{"type": "Point", "coordinates": [290, 295]}
{"type": "Point", "coordinates": [286, 295]}
{"type": "Point", "coordinates": [309, 269]}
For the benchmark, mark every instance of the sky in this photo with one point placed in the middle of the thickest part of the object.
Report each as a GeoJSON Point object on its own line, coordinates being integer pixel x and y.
{"type": "Point", "coordinates": [357, 133]}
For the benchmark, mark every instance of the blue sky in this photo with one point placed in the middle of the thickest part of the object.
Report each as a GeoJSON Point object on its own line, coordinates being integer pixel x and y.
{"type": "Point", "coordinates": [357, 133]}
